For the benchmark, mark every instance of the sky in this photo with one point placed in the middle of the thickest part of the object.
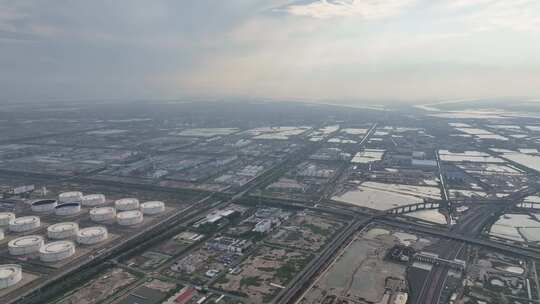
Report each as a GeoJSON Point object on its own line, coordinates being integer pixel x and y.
{"type": "Point", "coordinates": [342, 51]}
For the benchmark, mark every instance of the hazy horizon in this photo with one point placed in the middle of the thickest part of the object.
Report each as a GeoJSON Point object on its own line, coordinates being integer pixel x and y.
{"type": "Point", "coordinates": [327, 51]}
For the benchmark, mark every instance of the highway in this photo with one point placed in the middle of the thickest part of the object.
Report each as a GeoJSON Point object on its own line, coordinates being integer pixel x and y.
{"type": "Point", "coordinates": [523, 251]}
{"type": "Point", "coordinates": [303, 279]}
{"type": "Point", "coordinates": [444, 190]}
{"type": "Point", "coordinates": [368, 135]}
{"type": "Point", "coordinates": [436, 279]}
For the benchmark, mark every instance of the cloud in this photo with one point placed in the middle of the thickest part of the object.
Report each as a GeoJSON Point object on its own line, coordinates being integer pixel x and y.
{"type": "Point", "coordinates": [466, 3]}
{"type": "Point", "coordinates": [366, 9]}
{"type": "Point", "coordinates": [495, 15]}
{"type": "Point", "coordinates": [308, 49]}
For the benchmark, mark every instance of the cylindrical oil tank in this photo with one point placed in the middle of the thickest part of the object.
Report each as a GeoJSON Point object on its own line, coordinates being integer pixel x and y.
{"type": "Point", "coordinates": [129, 218]}
{"type": "Point", "coordinates": [67, 209]}
{"type": "Point", "coordinates": [25, 244]}
{"type": "Point", "coordinates": [62, 230]}
{"type": "Point", "coordinates": [92, 235]}
{"type": "Point", "coordinates": [44, 205]}
{"type": "Point", "coordinates": [126, 204]}
{"type": "Point", "coordinates": [10, 275]}
{"type": "Point", "coordinates": [56, 251]}
{"type": "Point", "coordinates": [152, 207]}
{"type": "Point", "coordinates": [70, 197]}
{"type": "Point", "coordinates": [93, 200]}
{"type": "Point", "coordinates": [102, 214]}
{"type": "Point", "coordinates": [24, 223]}
{"type": "Point", "coordinates": [6, 217]}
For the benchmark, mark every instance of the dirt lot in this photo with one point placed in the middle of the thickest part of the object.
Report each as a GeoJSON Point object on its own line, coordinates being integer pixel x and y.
{"type": "Point", "coordinates": [149, 260]}
{"type": "Point", "coordinates": [360, 271]}
{"type": "Point", "coordinates": [101, 288]}
{"type": "Point", "coordinates": [260, 276]}
{"type": "Point", "coordinates": [306, 231]}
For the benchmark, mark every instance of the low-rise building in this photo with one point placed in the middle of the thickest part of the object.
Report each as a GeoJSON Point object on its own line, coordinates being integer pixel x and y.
{"type": "Point", "coordinates": [228, 244]}
{"type": "Point", "coordinates": [263, 226]}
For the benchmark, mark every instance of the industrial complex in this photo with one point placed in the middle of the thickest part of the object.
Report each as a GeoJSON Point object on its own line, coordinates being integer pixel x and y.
{"type": "Point", "coordinates": [302, 204]}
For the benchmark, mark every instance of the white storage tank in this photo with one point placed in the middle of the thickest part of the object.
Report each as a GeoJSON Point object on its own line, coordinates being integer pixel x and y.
{"type": "Point", "coordinates": [24, 223]}
{"type": "Point", "coordinates": [153, 207]}
{"type": "Point", "coordinates": [126, 204]}
{"type": "Point", "coordinates": [102, 214]}
{"type": "Point", "coordinates": [44, 205]}
{"type": "Point", "coordinates": [67, 209]}
{"type": "Point", "coordinates": [129, 218]}
{"type": "Point", "coordinates": [56, 251]}
{"type": "Point", "coordinates": [10, 275]}
{"type": "Point", "coordinates": [92, 235]}
{"type": "Point", "coordinates": [93, 200]}
{"type": "Point", "coordinates": [6, 217]}
{"type": "Point", "coordinates": [70, 197]}
{"type": "Point", "coordinates": [25, 244]}
{"type": "Point", "coordinates": [62, 230]}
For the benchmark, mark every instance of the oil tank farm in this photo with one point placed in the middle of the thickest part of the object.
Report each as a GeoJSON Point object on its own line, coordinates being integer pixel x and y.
{"type": "Point", "coordinates": [93, 200]}
{"type": "Point", "coordinates": [25, 245]}
{"type": "Point", "coordinates": [129, 218]}
{"type": "Point", "coordinates": [56, 251]}
{"type": "Point", "coordinates": [126, 204]}
{"type": "Point", "coordinates": [152, 207]}
{"type": "Point", "coordinates": [70, 197]}
{"type": "Point", "coordinates": [46, 205]}
{"type": "Point", "coordinates": [10, 275]}
{"type": "Point", "coordinates": [102, 214]}
{"type": "Point", "coordinates": [24, 223]}
{"type": "Point", "coordinates": [5, 218]}
{"type": "Point", "coordinates": [62, 230]}
{"type": "Point", "coordinates": [67, 209]}
{"type": "Point", "coordinates": [92, 235]}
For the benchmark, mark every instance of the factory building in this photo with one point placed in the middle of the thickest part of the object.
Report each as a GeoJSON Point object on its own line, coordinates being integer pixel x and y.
{"type": "Point", "coordinates": [263, 226]}
{"type": "Point", "coordinates": [424, 163]}
{"type": "Point", "coordinates": [228, 244]}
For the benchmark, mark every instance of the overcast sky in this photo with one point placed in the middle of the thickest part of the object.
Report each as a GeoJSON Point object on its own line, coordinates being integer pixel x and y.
{"type": "Point", "coordinates": [320, 50]}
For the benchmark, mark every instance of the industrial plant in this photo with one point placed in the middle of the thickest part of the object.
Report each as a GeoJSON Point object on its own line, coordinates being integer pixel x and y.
{"type": "Point", "coordinates": [341, 205]}
{"type": "Point", "coordinates": [55, 231]}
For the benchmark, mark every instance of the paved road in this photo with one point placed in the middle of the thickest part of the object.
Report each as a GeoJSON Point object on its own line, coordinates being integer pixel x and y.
{"type": "Point", "coordinates": [444, 190]}
{"type": "Point", "coordinates": [436, 279]}
{"type": "Point", "coordinates": [302, 280]}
